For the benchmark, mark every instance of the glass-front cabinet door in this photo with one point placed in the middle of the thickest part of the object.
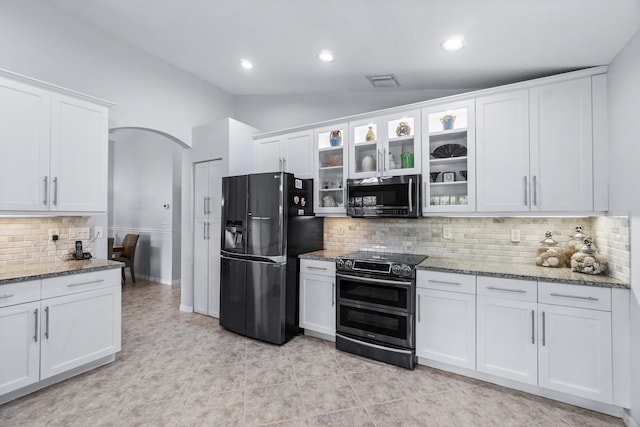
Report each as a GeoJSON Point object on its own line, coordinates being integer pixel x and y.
{"type": "Point", "coordinates": [385, 146]}
{"type": "Point", "coordinates": [331, 169]}
{"type": "Point", "coordinates": [448, 157]}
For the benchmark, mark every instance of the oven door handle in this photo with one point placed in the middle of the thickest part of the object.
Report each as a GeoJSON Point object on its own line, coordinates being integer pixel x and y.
{"type": "Point", "coordinates": [370, 280]}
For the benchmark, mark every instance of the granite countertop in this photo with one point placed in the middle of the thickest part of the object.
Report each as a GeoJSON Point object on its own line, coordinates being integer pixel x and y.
{"type": "Point", "coordinates": [322, 255]}
{"type": "Point", "coordinates": [519, 271]}
{"type": "Point", "coordinates": [55, 269]}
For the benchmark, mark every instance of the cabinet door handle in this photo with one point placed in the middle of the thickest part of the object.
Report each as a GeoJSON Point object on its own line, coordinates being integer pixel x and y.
{"type": "Point", "coordinates": [6, 296]}
{"type": "Point", "coordinates": [543, 330]}
{"type": "Point", "coordinates": [71, 285]}
{"type": "Point", "coordinates": [55, 191]}
{"type": "Point", "coordinates": [526, 195]}
{"type": "Point", "coordinates": [410, 194]}
{"type": "Point", "coordinates": [284, 164]}
{"type": "Point", "coordinates": [425, 195]}
{"type": "Point", "coordinates": [574, 296]}
{"type": "Point", "coordinates": [46, 191]}
{"type": "Point", "coordinates": [385, 165]}
{"type": "Point", "coordinates": [440, 282]}
{"type": "Point", "coordinates": [419, 308]}
{"type": "Point", "coordinates": [311, 267]}
{"type": "Point", "coordinates": [35, 334]}
{"type": "Point", "coordinates": [535, 191]}
{"type": "Point", "coordinates": [533, 327]}
{"type": "Point", "coordinates": [517, 291]}
{"type": "Point", "coordinates": [379, 164]}
{"type": "Point", "coordinates": [46, 316]}
{"type": "Point", "coordinates": [208, 231]}
{"type": "Point", "coordinates": [333, 294]}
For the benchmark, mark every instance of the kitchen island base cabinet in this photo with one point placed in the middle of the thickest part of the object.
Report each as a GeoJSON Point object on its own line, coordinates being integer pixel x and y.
{"type": "Point", "coordinates": [318, 298]}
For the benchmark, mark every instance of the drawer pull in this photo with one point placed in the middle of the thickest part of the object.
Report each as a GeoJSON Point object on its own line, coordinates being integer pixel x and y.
{"type": "Point", "coordinates": [574, 296]}
{"type": "Point", "coordinates": [418, 308]}
{"type": "Point", "coordinates": [533, 327]}
{"type": "Point", "coordinates": [333, 294]}
{"type": "Point", "coordinates": [6, 296]}
{"type": "Point", "coordinates": [440, 282]}
{"type": "Point", "coordinates": [71, 285]}
{"type": "Point", "coordinates": [544, 338]}
{"type": "Point", "coordinates": [311, 267]}
{"type": "Point", "coordinates": [46, 314]}
{"type": "Point", "coordinates": [517, 291]}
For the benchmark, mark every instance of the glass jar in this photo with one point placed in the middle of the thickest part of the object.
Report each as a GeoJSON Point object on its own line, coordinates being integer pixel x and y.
{"type": "Point", "coordinates": [574, 244]}
{"type": "Point", "coordinates": [550, 254]}
{"type": "Point", "coordinates": [587, 260]}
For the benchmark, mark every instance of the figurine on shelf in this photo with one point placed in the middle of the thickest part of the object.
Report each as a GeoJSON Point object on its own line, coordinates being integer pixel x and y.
{"type": "Point", "coordinates": [370, 135]}
{"type": "Point", "coordinates": [447, 121]}
{"type": "Point", "coordinates": [335, 138]}
{"type": "Point", "coordinates": [403, 129]}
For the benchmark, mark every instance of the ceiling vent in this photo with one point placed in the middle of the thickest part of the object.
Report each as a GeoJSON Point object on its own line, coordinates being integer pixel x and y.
{"type": "Point", "coordinates": [383, 80]}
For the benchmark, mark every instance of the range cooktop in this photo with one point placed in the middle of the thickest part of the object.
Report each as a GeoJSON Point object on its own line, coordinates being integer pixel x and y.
{"type": "Point", "coordinates": [386, 257]}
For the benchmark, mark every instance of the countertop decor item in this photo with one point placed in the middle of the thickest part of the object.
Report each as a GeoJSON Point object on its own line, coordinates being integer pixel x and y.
{"type": "Point", "coordinates": [335, 138]}
{"type": "Point", "coordinates": [549, 253]}
{"type": "Point", "coordinates": [368, 164]}
{"type": "Point", "coordinates": [587, 260]}
{"type": "Point", "coordinates": [333, 160]}
{"type": "Point", "coordinates": [406, 159]}
{"type": "Point", "coordinates": [447, 121]}
{"type": "Point", "coordinates": [370, 136]}
{"type": "Point", "coordinates": [574, 244]}
{"type": "Point", "coordinates": [403, 129]}
{"type": "Point", "coordinates": [449, 150]}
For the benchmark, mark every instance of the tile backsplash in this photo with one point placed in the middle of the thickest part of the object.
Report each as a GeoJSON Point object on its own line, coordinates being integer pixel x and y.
{"type": "Point", "coordinates": [479, 238]}
{"type": "Point", "coordinates": [25, 240]}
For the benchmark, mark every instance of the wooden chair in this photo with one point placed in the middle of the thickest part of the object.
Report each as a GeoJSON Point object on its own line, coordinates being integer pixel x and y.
{"type": "Point", "coordinates": [128, 255]}
{"type": "Point", "coordinates": [110, 241]}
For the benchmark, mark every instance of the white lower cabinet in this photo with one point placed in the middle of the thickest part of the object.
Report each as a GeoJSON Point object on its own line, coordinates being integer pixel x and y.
{"type": "Point", "coordinates": [446, 318]}
{"type": "Point", "coordinates": [68, 322]}
{"type": "Point", "coordinates": [318, 296]}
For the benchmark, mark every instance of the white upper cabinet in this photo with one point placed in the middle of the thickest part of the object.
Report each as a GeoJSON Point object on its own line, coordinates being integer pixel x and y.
{"type": "Point", "coordinates": [534, 149]}
{"type": "Point", "coordinates": [385, 146]}
{"type": "Point", "coordinates": [25, 124]}
{"type": "Point", "coordinates": [448, 157]}
{"type": "Point", "coordinates": [54, 150]}
{"type": "Point", "coordinates": [292, 153]}
{"type": "Point", "coordinates": [331, 169]}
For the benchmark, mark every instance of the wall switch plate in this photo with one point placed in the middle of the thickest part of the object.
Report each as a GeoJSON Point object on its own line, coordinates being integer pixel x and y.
{"type": "Point", "coordinates": [82, 233]}
{"type": "Point", "coordinates": [515, 235]}
{"type": "Point", "coordinates": [97, 232]}
{"type": "Point", "coordinates": [446, 233]}
{"type": "Point", "coordinates": [340, 230]}
{"type": "Point", "coordinates": [53, 232]}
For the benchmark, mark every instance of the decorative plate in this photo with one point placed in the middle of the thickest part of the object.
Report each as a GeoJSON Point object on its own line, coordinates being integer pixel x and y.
{"type": "Point", "coordinates": [449, 150]}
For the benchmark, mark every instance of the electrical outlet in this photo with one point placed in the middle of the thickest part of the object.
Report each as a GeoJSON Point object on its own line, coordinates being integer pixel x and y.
{"type": "Point", "coordinates": [73, 233]}
{"type": "Point", "coordinates": [515, 235]}
{"type": "Point", "coordinates": [340, 230]}
{"type": "Point", "coordinates": [53, 232]}
{"type": "Point", "coordinates": [446, 233]}
{"type": "Point", "coordinates": [97, 232]}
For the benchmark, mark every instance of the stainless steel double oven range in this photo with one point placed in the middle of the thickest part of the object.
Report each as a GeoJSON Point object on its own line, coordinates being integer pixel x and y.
{"type": "Point", "coordinates": [376, 296]}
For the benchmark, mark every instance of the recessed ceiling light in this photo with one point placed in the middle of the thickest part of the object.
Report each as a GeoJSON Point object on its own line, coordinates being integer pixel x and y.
{"type": "Point", "coordinates": [453, 43]}
{"type": "Point", "coordinates": [246, 64]}
{"type": "Point", "coordinates": [325, 56]}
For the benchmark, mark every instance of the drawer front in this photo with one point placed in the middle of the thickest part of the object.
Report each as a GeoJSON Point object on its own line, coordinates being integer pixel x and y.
{"type": "Point", "coordinates": [81, 282]}
{"type": "Point", "coordinates": [452, 282]}
{"type": "Point", "coordinates": [578, 296]}
{"type": "Point", "coordinates": [320, 268]}
{"type": "Point", "coordinates": [19, 292]}
{"type": "Point", "coordinates": [521, 290]}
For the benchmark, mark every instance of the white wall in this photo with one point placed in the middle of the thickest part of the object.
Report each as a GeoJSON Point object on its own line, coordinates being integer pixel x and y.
{"type": "Point", "coordinates": [270, 113]}
{"type": "Point", "coordinates": [39, 41]}
{"type": "Point", "coordinates": [624, 128]}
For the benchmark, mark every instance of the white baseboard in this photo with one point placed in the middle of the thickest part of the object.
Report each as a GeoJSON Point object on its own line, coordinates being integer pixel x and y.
{"type": "Point", "coordinates": [628, 419]}
{"type": "Point", "coordinates": [186, 308]}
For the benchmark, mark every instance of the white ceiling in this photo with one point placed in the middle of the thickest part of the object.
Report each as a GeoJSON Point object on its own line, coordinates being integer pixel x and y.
{"type": "Point", "coordinates": [507, 40]}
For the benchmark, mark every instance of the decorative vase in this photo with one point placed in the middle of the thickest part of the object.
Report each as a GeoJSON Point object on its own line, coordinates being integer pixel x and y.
{"type": "Point", "coordinates": [335, 138]}
{"type": "Point", "coordinates": [447, 121]}
{"type": "Point", "coordinates": [371, 136]}
{"type": "Point", "coordinates": [403, 129]}
{"type": "Point", "coordinates": [368, 164]}
{"type": "Point", "coordinates": [406, 159]}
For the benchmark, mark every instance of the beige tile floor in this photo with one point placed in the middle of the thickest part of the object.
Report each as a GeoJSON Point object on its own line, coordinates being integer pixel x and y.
{"type": "Point", "coordinates": [183, 369]}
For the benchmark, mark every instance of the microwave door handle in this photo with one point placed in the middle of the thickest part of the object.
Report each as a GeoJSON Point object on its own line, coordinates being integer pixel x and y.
{"type": "Point", "coordinates": [410, 195]}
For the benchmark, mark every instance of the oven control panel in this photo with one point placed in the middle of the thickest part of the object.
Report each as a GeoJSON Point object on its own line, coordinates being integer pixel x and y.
{"type": "Point", "coordinates": [376, 267]}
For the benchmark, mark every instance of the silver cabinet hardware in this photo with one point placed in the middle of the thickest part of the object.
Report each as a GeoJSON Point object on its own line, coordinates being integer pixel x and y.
{"type": "Point", "coordinates": [419, 308]}
{"type": "Point", "coordinates": [385, 164]}
{"type": "Point", "coordinates": [71, 285]}
{"type": "Point", "coordinates": [573, 296]}
{"type": "Point", "coordinates": [46, 316]}
{"type": "Point", "coordinates": [379, 163]}
{"type": "Point", "coordinates": [440, 282]}
{"type": "Point", "coordinates": [535, 191]}
{"type": "Point", "coordinates": [284, 164]}
{"type": "Point", "coordinates": [526, 195]}
{"type": "Point", "coordinates": [46, 191]}
{"type": "Point", "coordinates": [410, 195]}
{"type": "Point", "coordinates": [6, 296]}
{"type": "Point", "coordinates": [517, 291]}
{"type": "Point", "coordinates": [35, 334]}
{"type": "Point", "coordinates": [208, 231]}
{"type": "Point", "coordinates": [311, 267]}
{"type": "Point", "coordinates": [543, 330]}
{"type": "Point", "coordinates": [533, 327]}
{"type": "Point", "coordinates": [333, 294]}
{"type": "Point", "coordinates": [55, 191]}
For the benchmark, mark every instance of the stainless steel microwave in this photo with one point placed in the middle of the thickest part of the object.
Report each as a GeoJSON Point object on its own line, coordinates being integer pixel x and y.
{"type": "Point", "coordinates": [389, 197]}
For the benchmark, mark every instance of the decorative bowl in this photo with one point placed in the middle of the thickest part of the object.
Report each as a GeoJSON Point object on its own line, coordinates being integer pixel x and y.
{"type": "Point", "coordinates": [449, 150]}
{"type": "Point", "coordinates": [333, 160]}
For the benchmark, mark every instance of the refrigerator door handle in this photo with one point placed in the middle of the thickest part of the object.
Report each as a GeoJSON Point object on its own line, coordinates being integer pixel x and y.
{"type": "Point", "coordinates": [261, 259]}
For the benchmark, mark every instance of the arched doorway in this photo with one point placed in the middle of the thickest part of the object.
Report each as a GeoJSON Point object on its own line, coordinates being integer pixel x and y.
{"type": "Point", "coordinates": [145, 189]}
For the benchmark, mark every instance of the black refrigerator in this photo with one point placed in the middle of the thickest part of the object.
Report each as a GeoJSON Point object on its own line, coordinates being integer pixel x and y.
{"type": "Point", "coordinates": [267, 221]}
